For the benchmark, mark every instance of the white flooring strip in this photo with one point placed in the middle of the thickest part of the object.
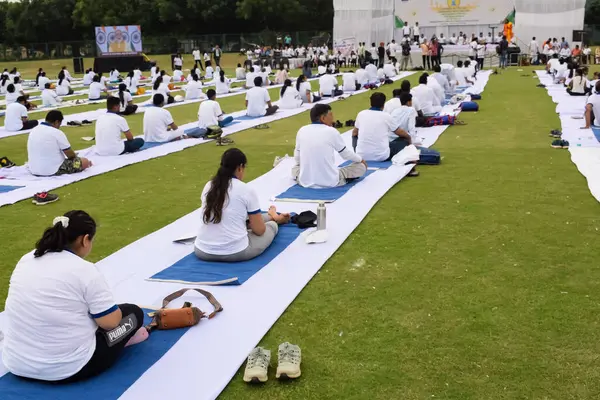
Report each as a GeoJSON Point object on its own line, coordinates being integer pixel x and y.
{"type": "Point", "coordinates": [20, 176]}
{"type": "Point", "coordinates": [250, 310]}
{"type": "Point", "coordinates": [94, 114]}
{"type": "Point", "coordinates": [583, 145]}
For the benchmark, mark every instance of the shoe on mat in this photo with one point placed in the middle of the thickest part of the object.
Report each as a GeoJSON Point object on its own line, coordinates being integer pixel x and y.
{"type": "Point", "coordinates": [257, 366]}
{"type": "Point", "coordinates": [6, 163]}
{"type": "Point", "coordinates": [289, 359]}
{"type": "Point", "coordinates": [43, 198]}
{"type": "Point", "coordinates": [560, 144]}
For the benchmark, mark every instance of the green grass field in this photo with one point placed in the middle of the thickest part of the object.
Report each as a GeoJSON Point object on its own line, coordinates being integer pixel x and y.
{"type": "Point", "coordinates": [477, 280]}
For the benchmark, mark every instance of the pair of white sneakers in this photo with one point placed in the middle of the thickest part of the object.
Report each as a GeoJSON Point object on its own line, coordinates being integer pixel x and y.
{"type": "Point", "coordinates": [259, 360]}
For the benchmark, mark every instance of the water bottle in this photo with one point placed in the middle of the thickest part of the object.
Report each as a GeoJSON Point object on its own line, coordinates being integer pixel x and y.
{"type": "Point", "coordinates": [321, 217]}
{"type": "Point", "coordinates": [333, 92]}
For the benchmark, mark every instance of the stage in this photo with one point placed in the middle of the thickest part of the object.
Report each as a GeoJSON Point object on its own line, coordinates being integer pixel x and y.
{"type": "Point", "coordinates": [122, 63]}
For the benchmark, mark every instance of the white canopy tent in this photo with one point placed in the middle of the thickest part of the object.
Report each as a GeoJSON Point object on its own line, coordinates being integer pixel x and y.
{"type": "Point", "coordinates": [545, 19]}
{"type": "Point", "coordinates": [370, 21]}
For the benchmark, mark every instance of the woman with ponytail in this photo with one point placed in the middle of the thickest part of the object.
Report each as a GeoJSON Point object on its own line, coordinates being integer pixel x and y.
{"type": "Point", "coordinates": [163, 88]}
{"type": "Point", "coordinates": [63, 87]}
{"type": "Point", "coordinates": [222, 83]}
{"type": "Point", "coordinates": [126, 105]}
{"type": "Point", "coordinates": [289, 97]}
{"type": "Point", "coordinates": [3, 83]}
{"type": "Point", "coordinates": [305, 89]}
{"type": "Point", "coordinates": [193, 90]}
{"type": "Point", "coordinates": [62, 322]}
{"type": "Point", "coordinates": [233, 228]}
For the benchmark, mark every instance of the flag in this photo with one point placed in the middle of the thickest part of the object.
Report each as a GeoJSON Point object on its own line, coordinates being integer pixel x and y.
{"type": "Point", "coordinates": [399, 23]}
{"type": "Point", "coordinates": [511, 16]}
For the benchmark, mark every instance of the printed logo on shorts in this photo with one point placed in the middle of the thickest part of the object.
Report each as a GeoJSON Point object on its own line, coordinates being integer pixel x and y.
{"type": "Point", "coordinates": [125, 327]}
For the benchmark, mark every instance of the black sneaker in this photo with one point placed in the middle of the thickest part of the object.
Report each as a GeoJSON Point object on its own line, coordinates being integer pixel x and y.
{"type": "Point", "coordinates": [43, 198]}
{"type": "Point", "coordinates": [6, 163]}
{"type": "Point", "coordinates": [337, 125]}
{"type": "Point", "coordinates": [86, 122]}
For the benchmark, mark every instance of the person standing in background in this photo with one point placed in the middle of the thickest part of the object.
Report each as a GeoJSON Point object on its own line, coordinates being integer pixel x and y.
{"type": "Point", "coordinates": [362, 49]}
{"type": "Point", "coordinates": [197, 59]}
{"type": "Point", "coordinates": [381, 54]}
{"type": "Point", "coordinates": [416, 33]}
{"type": "Point", "coordinates": [426, 57]}
{"type": "Point", "coordinates": [374, 53]}
{"type": "Point", "coordinates": [218, 53]}
{"type": "Point", "coordinates": [433, 52]}
{"type": "Point", "coordinates": [406, 57]}
{"type": "Point", "coordinates": [534, 49]}
{"type": "Point", "coordinates": [406, 32]}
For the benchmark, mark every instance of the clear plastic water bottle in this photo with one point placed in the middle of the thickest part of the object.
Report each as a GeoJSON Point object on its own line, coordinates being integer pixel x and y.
{"type": "Point", "coordinates": [321, 217]}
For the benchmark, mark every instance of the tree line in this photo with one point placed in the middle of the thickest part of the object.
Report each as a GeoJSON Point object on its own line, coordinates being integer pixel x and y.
{"type": "Point", "coordinates": [35, 21]}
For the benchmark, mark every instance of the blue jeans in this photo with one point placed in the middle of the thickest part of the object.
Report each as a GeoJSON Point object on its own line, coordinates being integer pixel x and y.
{"type": "Point", "coordinates": [503, 59]}
{"type": "Point", "coordinates": [131, 146]}
{"type": "Point", "coordinates": [196, 132]}
{"type": "Point", "coordinates": [226, 121]}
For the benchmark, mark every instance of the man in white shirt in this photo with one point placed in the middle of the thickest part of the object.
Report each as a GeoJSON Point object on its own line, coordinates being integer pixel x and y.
{"type": "Point", "coordinates": [250, 77]}
{"type": "Point", "coordinates": [15, 116]}
{"type": "Point", "coordinates": [210, 114]}
{"type": "Point", "coordinates": [109, 128]}
{"type": "Point", "coordinates": [470, 70]}
{"type": "Point", "coordinates": [393, 103]}
{"type": "Point", "coordinates": [389, 70]}
{"type": "Point", "coordinates": [371, 72]}
{"type": "Point", "coordinates": [240, 73]}
{"type": "Point", "coordinates": [328, 86]}
{"type": "Point", "coordinates": [374, 53]}
{"type": "Point", "coordinates": [197, 58]}
{"type": "Point", "coordinates": [49, 151]}
{"type": "Point", "coordinates": [416, 31]}
{"type": "Point", "coordinates": [159, 126]}
{"type": "Point", "coordinates": [406, 31]}
{"type": "Point", "coordinates": [453, 39]}
{"type": "Point", "coordinates": [441, 79]}
{"type": "Point", "coordinates": [553, 64]}
{"type": "Point", "coordinates": [461, 75]}
{"type": "Point", "coordinates": [592, 109]}
{"type": "Point", "coordinates": [49, 97]}
{"type": "Point", "coordinates": [97, 90]}
{"type": "Point", "coordinates": [426, 96]}
{"type": "Point", "coordinates": [258, 101]}
{"type": "Point", "coordinates": [350, 82]}
{"type": "Point", "coordinates": [534, 50]}
{"type": "Point", "coordinates": [372, 129]}
{"type": "Point", "coordinates": [442, 39]}
{"type": "Point", "coordinates": [565, 52]}
{"type": "Point", "coordinates": [42, 80]}
{"type": "Point", "coordinates": [361, 77]}
{"type": "Point", "coordinates": [316, 145]}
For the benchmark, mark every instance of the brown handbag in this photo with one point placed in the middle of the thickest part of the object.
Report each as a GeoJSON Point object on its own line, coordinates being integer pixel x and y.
{"type": "Point", "coordinates": [174, 318]}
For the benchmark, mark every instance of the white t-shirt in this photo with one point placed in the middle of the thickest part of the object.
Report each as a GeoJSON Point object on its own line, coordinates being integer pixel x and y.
{"type": "Point", "coordinates": [257, 98]}
{"type": "Point", "coordinates": [193, 90]}
{"type": "Point", "coordinates": [579, 84]}
{"type": "Point", "coordinates": [206, 57]}
{"type": "Point", "coordinates": [114, 76]}
{"type": "Point", "coordinates": [371, 71]}
{"type": "Point", "coordinates": [178, 62]}
{"type": "Point", "coordinates": [96, 89]}
{"type": "Point", "coordinates": [45, 147]}
{"type": "Point", "coordinates": [380, 74]}
{"type": "Point", "coordinates": [126, 99]}
{"type": "Point", "coordinates": [306, 91]}
{"type": "Point", "coordinates": [222, 87]}
{"type": "Point", "coordinates": [438, 90]}
{"type": "Point", "coordinates": [12, 97]}
{"type": "Point", "coordinates": [250, 76]}
{"type": "Point", "coordinates": [60, 292]}
{"type": "Point", "coordinates": [480, 51]}
{"type": "Point", "coordinates": [50, 98]}
{"type": "Point", "coordinates": [156, 122]}
{"type": "Point", "coordinates": [362, 77]}
{"type": "Point", "coordinates": [327, 84]}
{"type": "Point", "coordinates": [177, 74]}
{"type": "Point", "coordinates": [426, 98]}
{"type": "Point", "coordinates": [316, 145]}
{"type": "Point", "coordinates": [132, 84]}
{"type": "Point", "coordinates": [594, 100]}
{"type": "Point", "coordinates": [240, 73]}
{"type": "Point", "coordinates": [265, 78]}
{"type": "Point", "coordinates": [209, 72]}
{"type": "Point", "coordinates": [405, 118]}
{"type": "Point", "coordinates": [230, 236]}
{"type": "Point", "coordinates": [13, 117]}
{"type": "Point", "coordinates": [63, 88]}
{"type": "Point", "coordinates": [374, 53]}
{"type": "Point", "coordinates": [416, 30]}
{"type": "Point", "coordinates": [349, 82]}
{"type": "Point", "coordinates": [459, 73]}
{"type": "Point", "coordinates": [374, 128]}
{"type": "Point", "coordinates": [137, 74]}
{"type": "Point", "coordinates": [109, 128]}
{"type": "Point", "coordinates": [88, 78]}
{"type": "Point", "coordinates": [209, 113]}
{"type": "Point", "coordinates": [163, 89]}
{"type": "Point", "coordinates": [391, 105]}
{"type": "Point", "coordinates": [389, 70]}
{"type": "Point", "coordinates": [290, 99]}
{"type": "Point", "coordinates": [42, 82]}
{"type": "Point", "coordinates": [196, 54]}
{"type": "Point", "coordinates": [406, 30]}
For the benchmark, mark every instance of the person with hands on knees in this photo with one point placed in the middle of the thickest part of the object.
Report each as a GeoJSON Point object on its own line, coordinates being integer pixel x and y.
{"type": "Point", "coordinates": [233, 228]}
{"type": "Point", "coordinates": [316, 145]}
{"type": "Point", "coordinates": [62, 323]}
{"type": "Point", "coordinates": [109, 128]}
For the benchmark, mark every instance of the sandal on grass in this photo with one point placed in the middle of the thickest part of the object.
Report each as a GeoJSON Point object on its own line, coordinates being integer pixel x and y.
{"type": "Point", "coordinates": [457, 122]}
{"type": "Point", "coordinates": [560, 144]}
{"type": "Point", "coordinates": [261, 126]}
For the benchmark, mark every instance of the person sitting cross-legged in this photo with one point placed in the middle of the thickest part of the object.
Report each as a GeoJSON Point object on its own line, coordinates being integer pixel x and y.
{"type": "Point", "coordinates": [49, 151]}
{"type": "Point", "coordinates": [373, 130]}
{"type": "Point", "coordinates": [49, 96]}
{"type": "Point", "coordinates": [159, 126]}
{"type": "Point", "coordinates": [429, 102]}
{"type": "Point", "coordinates": [316, 145]}
{"type": "Point", "coordinates": [405, 118]}
{"type": "Point", "coordinates": [16, 117]}
{"type": "Point", "coordinates": [62, 324]}
{"type": "Point", "coordinates": [109, 128]}
{"type": "Point", "coordinates": [211, 115]}
{"type": "Point", "coordinates": [592, 109]}
{"type": "Point", "coordinates": [233, 228]}
{"type": "Point", "coordinates": [258, 101]}
{"type": "Point", "coordinates": [98, 91]}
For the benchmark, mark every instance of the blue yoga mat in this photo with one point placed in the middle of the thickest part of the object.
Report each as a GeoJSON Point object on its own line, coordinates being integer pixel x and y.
{"type": "Point", "coordinates": [329, 195]}
{"type": "Point", "coordinates": [596, 130]}
{"type": "Point", "coordinates": [110, 385]}
{"type": "Point", "coordinates": [6, 189]}
{"type": "Point", "coordinates": [372, 164]}
{"type": "Point", "coordinates": [191, 269]}
{"type": "Point", "coordinates": [246, 118]}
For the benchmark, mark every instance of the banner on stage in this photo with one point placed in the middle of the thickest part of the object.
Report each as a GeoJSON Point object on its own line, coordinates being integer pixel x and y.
{"type": "Point", "coordinates": [345, 46]}
{"type": "Point", "coordinates": [453, 12]}
{"type": "Point", "coordinates": [119, 40]}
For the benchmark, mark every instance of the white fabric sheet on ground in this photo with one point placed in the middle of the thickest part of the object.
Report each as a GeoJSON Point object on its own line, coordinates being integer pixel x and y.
{"type": "Point", "coordinates": [20, 176]}
{"type": "Point", "coordinates": [251, 308]}
{"type": "Point", "coordinates": [583, 144]}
